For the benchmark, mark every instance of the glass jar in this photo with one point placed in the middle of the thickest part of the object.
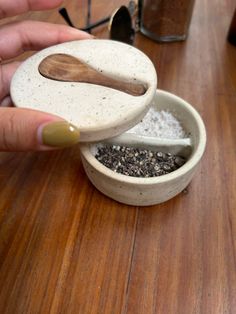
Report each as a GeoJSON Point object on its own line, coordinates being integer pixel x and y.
{"type": "Point", "coordinates": [166, 20]}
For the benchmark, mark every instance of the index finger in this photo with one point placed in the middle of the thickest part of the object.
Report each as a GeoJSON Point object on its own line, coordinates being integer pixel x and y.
{"type": "Point", "coordinates": [14, 7]}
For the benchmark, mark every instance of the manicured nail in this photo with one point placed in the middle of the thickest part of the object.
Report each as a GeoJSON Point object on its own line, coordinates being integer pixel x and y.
{"type": "Point", "coordinates": [59, 134]}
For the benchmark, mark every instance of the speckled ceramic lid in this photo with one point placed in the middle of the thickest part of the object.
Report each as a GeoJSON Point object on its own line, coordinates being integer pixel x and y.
{"type": "Point", "coordinates": [99, 112]}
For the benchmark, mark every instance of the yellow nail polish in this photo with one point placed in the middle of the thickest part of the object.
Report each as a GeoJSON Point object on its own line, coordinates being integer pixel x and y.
{"type": "Point", "coordinates": [59, 134]}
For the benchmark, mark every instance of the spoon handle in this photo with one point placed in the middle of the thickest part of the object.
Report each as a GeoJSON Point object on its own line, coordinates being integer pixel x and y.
{"type": "Point", "coordinates": [63, 67]}
{"type": "Point", "coordinates": [174, 146]}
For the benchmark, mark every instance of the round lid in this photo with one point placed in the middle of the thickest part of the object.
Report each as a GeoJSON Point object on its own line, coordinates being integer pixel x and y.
{"type": "Point", "coordinates": [100, 111]}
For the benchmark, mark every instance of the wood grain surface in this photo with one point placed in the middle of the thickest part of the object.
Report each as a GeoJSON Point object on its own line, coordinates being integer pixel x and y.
{"type": "Point", "coordinates": [66, 248]}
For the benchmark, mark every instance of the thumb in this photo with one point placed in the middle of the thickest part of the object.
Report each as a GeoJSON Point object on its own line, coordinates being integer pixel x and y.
{"type": "Point", "coordinates": [26, 130]}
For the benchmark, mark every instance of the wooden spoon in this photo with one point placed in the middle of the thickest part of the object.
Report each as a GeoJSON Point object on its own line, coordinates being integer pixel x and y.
{"type": "Point", "coordinates": [63, 67]}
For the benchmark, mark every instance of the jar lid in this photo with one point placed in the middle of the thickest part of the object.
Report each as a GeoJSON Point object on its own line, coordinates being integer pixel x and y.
{"type": "Point", "coordinates": [99, 111]}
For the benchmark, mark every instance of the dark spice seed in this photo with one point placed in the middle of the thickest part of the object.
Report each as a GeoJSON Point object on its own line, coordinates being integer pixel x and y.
{"type": "Point", "coordinates": [179, 161]}
{"type": "Point", "coordinates": [137, 162]}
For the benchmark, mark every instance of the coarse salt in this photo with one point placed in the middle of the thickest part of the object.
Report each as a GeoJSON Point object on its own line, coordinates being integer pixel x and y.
{"type": "Point", "coordinates": [160, 124]}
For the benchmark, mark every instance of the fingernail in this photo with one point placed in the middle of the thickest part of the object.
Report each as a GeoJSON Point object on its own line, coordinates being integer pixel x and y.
{"type": "Point", "coordinates": [58, 134]}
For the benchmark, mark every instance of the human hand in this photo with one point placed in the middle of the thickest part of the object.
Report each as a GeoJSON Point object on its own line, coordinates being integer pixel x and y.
{"type": "Point", "coordinates": [24, 129]}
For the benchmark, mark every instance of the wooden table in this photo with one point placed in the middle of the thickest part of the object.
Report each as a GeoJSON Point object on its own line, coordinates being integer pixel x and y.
{"type": "Point", "coordinates": [66, 248]}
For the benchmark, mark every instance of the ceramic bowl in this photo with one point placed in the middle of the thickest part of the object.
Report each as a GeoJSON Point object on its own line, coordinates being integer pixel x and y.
{"type": "Point", "coordinates": [155, 190]}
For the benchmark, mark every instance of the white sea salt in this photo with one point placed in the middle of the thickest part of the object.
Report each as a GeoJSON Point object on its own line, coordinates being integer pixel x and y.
{"type": "Point", "coordinates": [161, 124]}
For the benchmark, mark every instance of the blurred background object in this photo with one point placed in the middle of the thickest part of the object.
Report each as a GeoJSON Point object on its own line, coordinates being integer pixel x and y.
{"type": "Point", "coordinates": [120, 22]}
{"type": "Point", "coordinates": [160, 20]}
{"type": "Point", "coordinates": [232, 30]}
{"type": "Point", "coordinates": [166, 20]}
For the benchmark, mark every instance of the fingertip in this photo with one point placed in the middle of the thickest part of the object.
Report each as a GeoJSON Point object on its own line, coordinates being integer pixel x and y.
{"type": "Point", "coordinates": [19, 129]}
{"type": "Point", "coordinates": [79, 34]}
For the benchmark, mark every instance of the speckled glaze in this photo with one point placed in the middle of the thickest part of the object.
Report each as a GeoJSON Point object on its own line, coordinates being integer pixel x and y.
{"type": "Point", "coordinates": [150, 191]}
{"type": "Point", "coordinates": [99, 112]}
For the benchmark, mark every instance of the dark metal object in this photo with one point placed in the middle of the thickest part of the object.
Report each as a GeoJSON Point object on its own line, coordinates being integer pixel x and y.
{"type": "Point", "coordinates": [232, 30]}
{"type": "Point", "coordinates": [121, 23]}
{"type": "Point", "coordinates": [89, 14]}
{"type": "Point", "coordinates": [121, 26]}
{"type": "Point", "coordinates": [65, 16]}
{"type": "Point", "coordinates": [89, 26]}
{"type": "Point", "coordinates": [96, 24]}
